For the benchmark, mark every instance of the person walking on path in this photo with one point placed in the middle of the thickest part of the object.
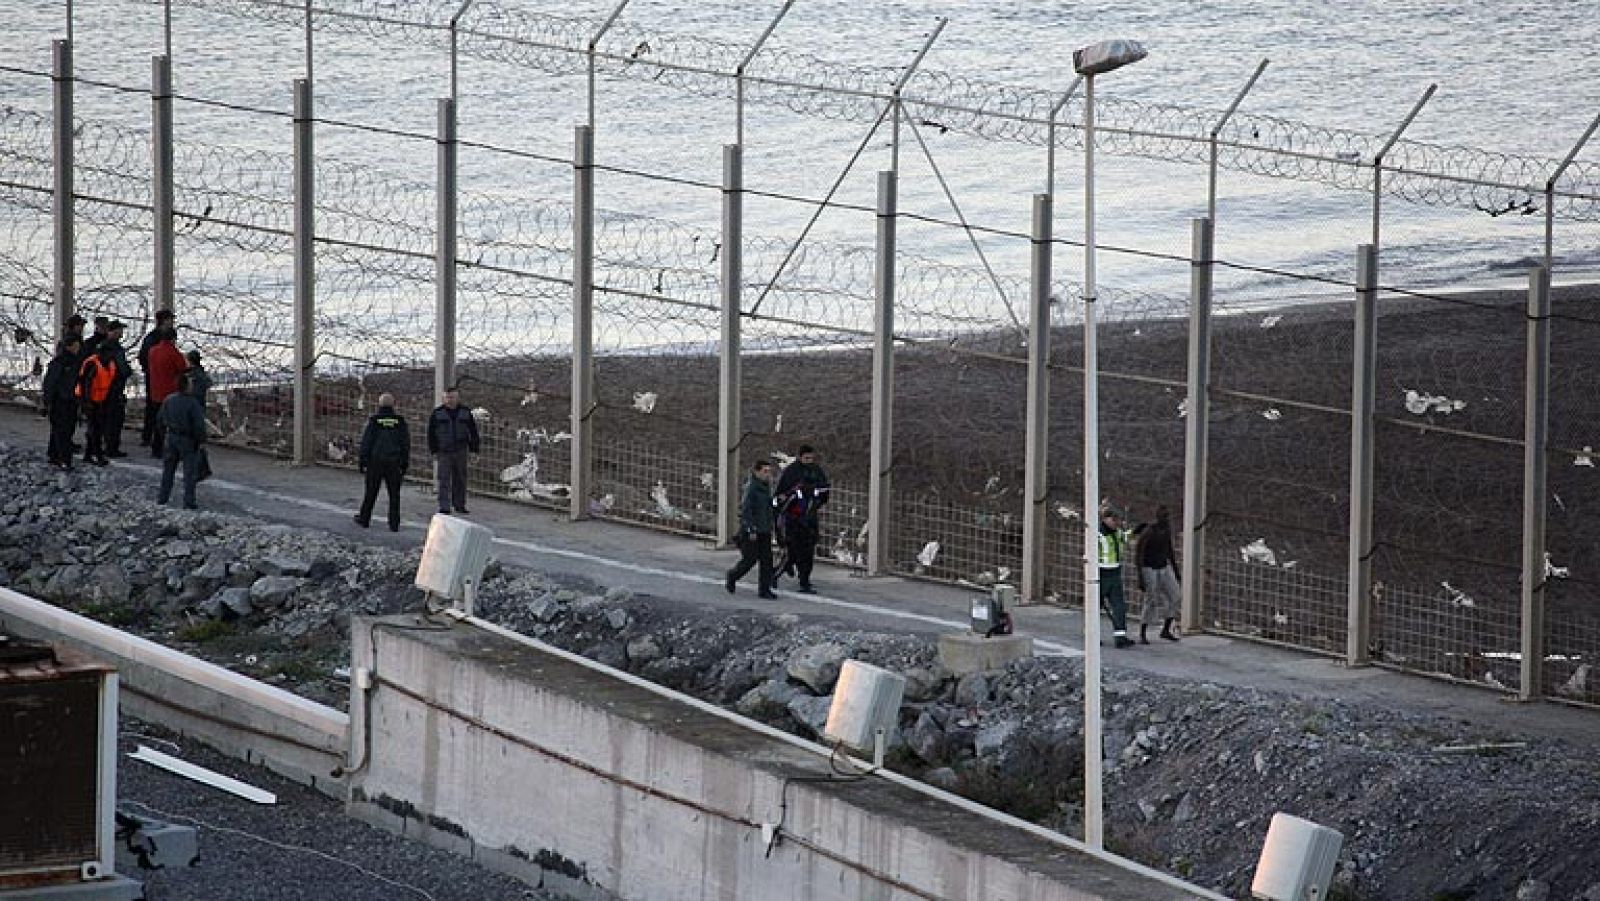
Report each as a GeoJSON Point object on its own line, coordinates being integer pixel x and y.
{"type": "Point", "coordinates": [452, 435]}
{"type": "Point", "coordinates": [801, 494]}
{"type": "Point", "coordinates": [163, 364]}
{"type": "Point", "coordinates": [755, 531]}
{"type": "Point", "coordinates": [117, 406]}
{"type": "Point", "coordinates": [60, 400]}
{"type": "Point", "coordinates": [1113, 552]}
{"type": "Point", "coordinates": [152, 404]}
{"type": "Point", "coordinates": [96, 376]}
{"type": "Point", "coordinates": [184, 424]}
{"type": "Point", "coordinates": [199, 378]}
{"type": "Point", "coordinates": [385, 457]}
{"type": "Point", "coordinates": [1158, 577]}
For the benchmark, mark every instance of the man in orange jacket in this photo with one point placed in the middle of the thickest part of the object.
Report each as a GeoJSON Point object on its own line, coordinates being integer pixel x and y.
{"type": "Point", "coordinates": [95, 380]}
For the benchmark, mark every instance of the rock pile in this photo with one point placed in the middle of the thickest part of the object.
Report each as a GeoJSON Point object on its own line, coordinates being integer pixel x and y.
{"type": "Point", "coordinates": [1194, 770]}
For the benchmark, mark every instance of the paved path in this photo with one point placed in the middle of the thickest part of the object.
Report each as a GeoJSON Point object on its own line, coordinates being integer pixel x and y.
{"type": "Point", "coordinates": [687, 570]}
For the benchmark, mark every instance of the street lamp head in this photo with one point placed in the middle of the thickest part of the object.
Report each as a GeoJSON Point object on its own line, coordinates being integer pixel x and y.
{"type": "Point", "coordinates": [1107, 55]}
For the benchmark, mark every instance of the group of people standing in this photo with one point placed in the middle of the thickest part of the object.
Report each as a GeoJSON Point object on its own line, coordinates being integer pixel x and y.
{"type": "Point", "coordinates": [87, 380]}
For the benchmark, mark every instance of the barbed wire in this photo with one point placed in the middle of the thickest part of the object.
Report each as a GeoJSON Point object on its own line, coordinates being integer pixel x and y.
{"type": "Point", "coordinates": [808, 85]}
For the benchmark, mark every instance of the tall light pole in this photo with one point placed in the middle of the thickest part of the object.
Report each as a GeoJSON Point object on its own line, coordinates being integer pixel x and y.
{"type": "Point", "coordinates": [1090, 61]}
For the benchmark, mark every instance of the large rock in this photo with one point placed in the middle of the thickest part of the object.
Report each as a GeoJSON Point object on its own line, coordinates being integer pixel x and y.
{"type": "Point", "coordinates": [972, 690]}
{"type": "Point", "coordinates": [767, 700]}
{"type": "Point", "coordinates": [545, 608]}
{"type": "Point", "coordinates": [811, 712]}
{"type": "Point", "coordinates": [285, 565]}
{"type": "Point", "coordinates": [926, 739]}
{"type": "Point", "coordinates": [108, 584]}
{"type": "Point", "coordinates": [993, 739]}
{"type": "Point", "coordinates": [817, 665]}
{"type": "Point", "coordinates": [236, 601]}
{"type": "Point", "coordinates": [924, 683]}
{"type": "Point", "coordinates": [644, 649]}
{"type": "Point", "coordinates": [273, 591]}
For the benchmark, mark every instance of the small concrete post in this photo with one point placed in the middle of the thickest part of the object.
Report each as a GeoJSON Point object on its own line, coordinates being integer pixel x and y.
{"type": "Point", "coordinates": [1036, 485]}
{"type": "Point", "coordinates": [1197, 421]}
{"type": "Point", "coordinates": [1536, 435]}
{"type": "Point", "coordinates": [444, 310]}
{"type": "Point", "coordinates": [161, 161]}
{"type": "Point", "coordinates": [305, 264]}
{"type": "Point", "coordinates": [730, 421]}
{"type": "Point", "coordinates": [882, 455]}
{"type": "Point", "coordinates": [583, 403]}
{"type": "Point", "coordinates": [1362, 403]}
{"type": "Point", "coordinates": [61, 202]}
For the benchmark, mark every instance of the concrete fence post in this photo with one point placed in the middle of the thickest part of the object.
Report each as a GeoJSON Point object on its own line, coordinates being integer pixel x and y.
{"type": "Point", "coordinates": [1536, 436]}
{"type": "Point", "coordinates": [305, 265]}
{"type": "Point", "coordinates": [61, 200]}
{"type": "Point", "coordinates": [161, 161]}
{"type": "Point", "coordinates": [583, 394]}
{"type": "Point", "coordinates": [882, 456]}
{"type": "Point", "coordinates": [1036, 484]}
{"type": "Point", "coordinates": [1197, 422]}
{"type": "Point", "coordinates": [444, 307]}
{"type": "Point", "coordinates": [730, 421]}
{"type": "Point", "coordinates": [1358, 640]}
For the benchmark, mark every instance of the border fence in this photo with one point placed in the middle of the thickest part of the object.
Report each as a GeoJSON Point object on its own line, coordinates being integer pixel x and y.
{"type": "Point", "coordinates": [1390, 474]}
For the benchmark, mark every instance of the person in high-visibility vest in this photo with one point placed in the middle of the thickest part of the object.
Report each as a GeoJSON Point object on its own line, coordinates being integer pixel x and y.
{"type": "Point", "coordinates": [95, 394]}
{"type": "Point", "coordinates": [1113, 550]}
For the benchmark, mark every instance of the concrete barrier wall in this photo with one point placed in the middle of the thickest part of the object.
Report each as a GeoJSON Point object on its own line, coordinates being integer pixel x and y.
{"type": "Point", "coordinates": [586, 781]}
{"type": "Point", "coordinates": [300, 739]}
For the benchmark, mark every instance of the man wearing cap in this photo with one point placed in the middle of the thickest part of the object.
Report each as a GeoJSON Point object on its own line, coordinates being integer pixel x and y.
{"type": "Point", "coordinates": [96, 376]}
{"type": "Point", "coordinates": [60, 399]}
{"type": "Point", "coordinates": [74, 329]}
{"type": "Point", "coordinates": [151, 403]}
{"type": "Point", "coordinates": [117, 405]}
{"type": "Point", "coordinates": [1113, 551]}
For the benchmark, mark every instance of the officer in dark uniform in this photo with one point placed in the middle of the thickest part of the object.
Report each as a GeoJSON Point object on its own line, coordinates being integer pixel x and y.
{"type": "Point", "coordinates": [385, 457]}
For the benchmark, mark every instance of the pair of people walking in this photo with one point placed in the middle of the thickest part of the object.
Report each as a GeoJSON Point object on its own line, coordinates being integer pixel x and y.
{"type": "Point", "coordinates": [1154, 560]}
{"type": "Point", "coordinates": [790, 512]}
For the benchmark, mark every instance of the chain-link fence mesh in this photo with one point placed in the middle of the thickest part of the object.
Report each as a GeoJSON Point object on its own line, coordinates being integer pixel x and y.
{"type": "Point", "coordinates": [1449, 371]}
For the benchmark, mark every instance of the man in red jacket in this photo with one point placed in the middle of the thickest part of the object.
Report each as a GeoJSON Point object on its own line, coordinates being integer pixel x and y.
{"type": "Point", "coordinates": [166, 364]}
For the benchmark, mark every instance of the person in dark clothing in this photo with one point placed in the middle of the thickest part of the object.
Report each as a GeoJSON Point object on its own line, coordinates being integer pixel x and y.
{"type": "Point", "coordinates": [74, 329]}
{"type": "Point", "coordinates": [61, 400]}
{"type": "Point", "coordinates": [96, 376]}
{"type": "Point", "coordinates": [117, 407]}
{"type": "Point", "coordinates": [1158, 577]}
{"type": "Point", "coordinates": [91, 344]}
{"type": "Point", "coordinates": [385, 457]}
{"type": "Point", "coordinates": [199, 378]}
{"type": "Point", "coordinates": [755, 531]}
{"type": "Point", "coordinates": [163, 363]}
{"type": "Point", "coordinates": [152, 404]}
{"type": "Point", "coordinates": [801, 494]}
{"type": "Point", "coordinates": [452, 435]}
{"type": "Point", "coordinates": [184, 423]}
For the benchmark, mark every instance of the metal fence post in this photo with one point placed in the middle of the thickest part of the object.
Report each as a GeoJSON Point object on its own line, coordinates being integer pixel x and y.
{"type": "Point", "coordinates": [61, 205]}
{"type": "Point", "coordinates": [1036, 484]}
{"type": "Point", "coordinates": [444, 308]}
{"type": "Point", "coordinates": [882, 379]}
{"type": "Point", "coordinates": [305, 264]}
{"type": "Point", "coordinates": [582, 320]}
{"type": "Point", "coordinates": [730, 422]}
{"type": "Point", "coordinates": [1197, 422]}
{"type": "Point", "coordinates": [1362, 402]}
{"type": "Point", "coordinates": [1536, 433]}
{"type": "Point", "coordinates": [161, 163]}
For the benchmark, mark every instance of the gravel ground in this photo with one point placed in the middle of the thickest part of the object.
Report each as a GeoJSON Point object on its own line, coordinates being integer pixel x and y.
{"type": "Point", "coordinates": [303, 847]}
